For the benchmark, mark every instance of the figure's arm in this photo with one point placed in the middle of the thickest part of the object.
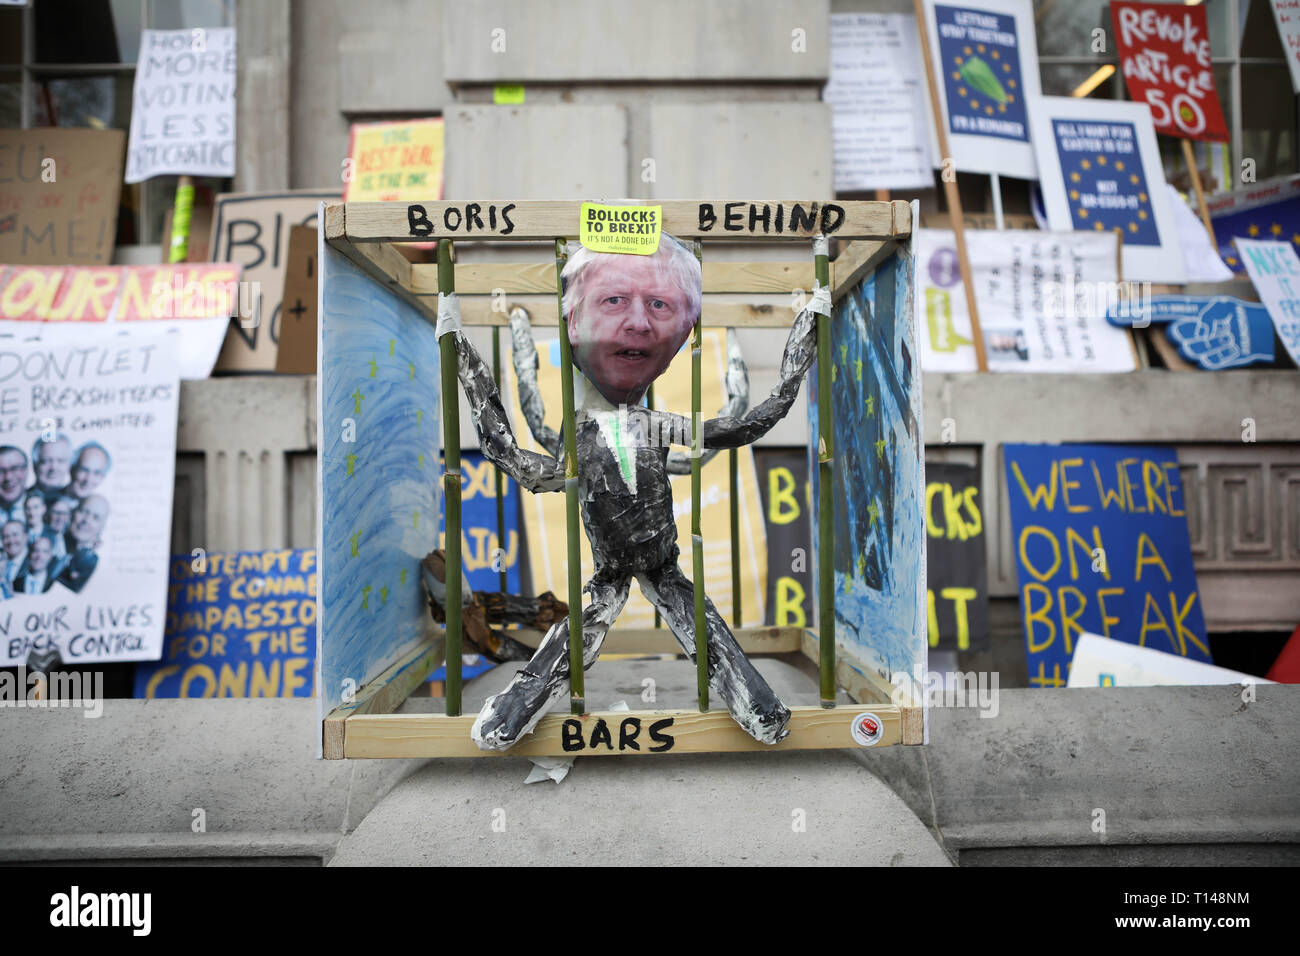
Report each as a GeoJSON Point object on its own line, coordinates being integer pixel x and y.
{"type": "Point", "coordinates": [732, 432]}
{"type": "Point", "coordinates": [524, 354]}
{"type": "Point", "coordinates": [533, 471]}
{"type": "Point", "coordinates": [737, 384]}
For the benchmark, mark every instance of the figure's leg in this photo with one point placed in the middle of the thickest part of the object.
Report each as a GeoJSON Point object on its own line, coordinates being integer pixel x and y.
{"type": "Point", "coordinates": [515, 711]}
{"type": "Point", "coordinates": [732, 677]}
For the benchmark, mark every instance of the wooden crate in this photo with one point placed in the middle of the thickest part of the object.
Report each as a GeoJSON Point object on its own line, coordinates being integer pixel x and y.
{"type": "Point", "coordinates": [377, 310]}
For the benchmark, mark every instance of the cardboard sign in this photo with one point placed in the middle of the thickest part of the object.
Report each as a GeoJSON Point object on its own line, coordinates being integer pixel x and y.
{"type": "Point", "coordinates": [87, 515]}
{"type": "Point", "coordinates": [297, 352]}
{"type": "Point", "coordinates": [1042, 298]}
{"type": "Point", "coordinates": [183, 107]}
{"type": "Point", "coordinates": [192, 303]}
{"type": "Point", "coordinates": [986, 57]}
{"type": "Point", "coordinates": [1164, 51]}
{"type": "Point", "coordinates": [1100, 170]}
{"type": "Point", "coordinates": [1101, 544]}
{"type": "Point", "coordinates": [1275, 270]}
{"type": "Point", "coordinates": [1099, 662]}
{"type": "Point", "coordinates": [392, 161]}
{"type": "Point", "coordinates": [878, 104]}
{"type": "Point", "coordinates": [239, 624]}
{"type": "Point", "coordinates": [253, 230]}
{"type": "Point", "coordinates": [1267, 210]}
{"type": "Point", "coordinates": [783, 483]}
{"type": "Point", "coordinates": [59, 191]}
{"type": "Point", "coordinates": [1286, 13]}
{"type": "Point", "coordinates": [956, 565]}
{"type": "Point", "coordinates": [1212, 331]}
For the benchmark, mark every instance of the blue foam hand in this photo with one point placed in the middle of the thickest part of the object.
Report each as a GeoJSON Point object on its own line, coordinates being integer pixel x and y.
{"type": "Point", "coordinates": [1226, 334]}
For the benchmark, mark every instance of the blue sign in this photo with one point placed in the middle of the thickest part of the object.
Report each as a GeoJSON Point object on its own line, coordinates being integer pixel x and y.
{"type": "Point", "coordinates": [239, 624]}
{"type": "Point", "coordinates": [1104, 180]}
{"type": "Point", "coordinates": [1102, 547]}
{"type": "Point", "coordinates": [980, 57]}
{"type": "Point", "coordinates": [1279, 220]}
{"type": "Point", "coordinates": [1212, 331]}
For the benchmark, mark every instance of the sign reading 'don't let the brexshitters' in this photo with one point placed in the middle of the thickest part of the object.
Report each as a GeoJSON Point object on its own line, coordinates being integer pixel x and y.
{"type": "Point", "coordinates": [1101, 544]}
{"type": "Point", "coordinates": [625, 229]}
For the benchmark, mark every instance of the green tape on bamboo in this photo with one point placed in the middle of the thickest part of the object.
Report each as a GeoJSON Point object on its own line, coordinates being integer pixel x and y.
{"type": "Point", "coordinates": [182, 214]}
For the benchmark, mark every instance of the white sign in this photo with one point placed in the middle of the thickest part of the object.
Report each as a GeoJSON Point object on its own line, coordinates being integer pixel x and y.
{"type": "Point", "coordinates": [985, 56]}
{"type": "Point", "coordinates": [1042, 296]}
{"type": "Point", "coordinates": [86, 474]}
{"type": "Point", "coordinates": [1103, 662]}
{"type": "Point", "coordinates": [878, 103]}
{"type": "Point", "coordinates": [183, 108]}
{"type": "Point", "coordinates": [1287, 15]}
{"type": "Point", "coordinates": [1099, 167]}
{"type": "Point", "coordinates": [1275, 271]}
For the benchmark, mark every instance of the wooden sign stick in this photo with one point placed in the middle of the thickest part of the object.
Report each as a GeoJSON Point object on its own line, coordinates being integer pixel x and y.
{"type": "Point", "coordinates": [950, 190]}
{"type": "Point", "coordinates": [1194, 170]}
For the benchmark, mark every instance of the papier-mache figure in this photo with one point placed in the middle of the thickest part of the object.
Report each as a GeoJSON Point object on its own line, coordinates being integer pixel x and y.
{"type": "Point", "coordinates": [627, 316]}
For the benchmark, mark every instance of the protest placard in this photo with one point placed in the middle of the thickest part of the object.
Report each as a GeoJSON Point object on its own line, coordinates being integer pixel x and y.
{"type": "Point", "coordinates": [1267, 210]}
{"type": "Point", "coordinates": [1286, 14]}
{"type": "Point", "coordinates": [253, 230]}
{"type": "Point", "coordinates": [183, 107]}
{"type": "Point", "coordinates": [1274, 268]}
{"type": "Point", "coordinates": [1101, 544]}
{"type": "Point", "coordinates": [392, 161]}
{"type": "Point", "coordinates": [1164, 54]}
{"type": "Point", "coordinates": [86, 468]}
{"type": "Point", "coordinates": [239, 624]}
{"type": "Point", "coordinates": [1100, 170]}
{"type": "Point", "coordinates": [1042, 299]}
{"type": "Point", "coordinates": [296, 354]}
{"type": "Point", "coordinates": [878, 104]}
{"type": "Point", "coordinates": [1100, 662]}
{"type": "Point", "coordinates": [957, 595]}
{"type": "Point", "coordinates": [192, 303]}
{"type": "Point", "coordinates": [986, 57]}
{"type": "Point", "coordinates": [59, 192]}
{"type": "Point", "coordinates": [783, 484]}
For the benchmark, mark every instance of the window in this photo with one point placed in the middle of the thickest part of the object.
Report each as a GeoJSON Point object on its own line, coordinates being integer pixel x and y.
{"type": "Point", "coordinates": [1251, 77]}
{"type": "Point", "coordinates": [72, 63]}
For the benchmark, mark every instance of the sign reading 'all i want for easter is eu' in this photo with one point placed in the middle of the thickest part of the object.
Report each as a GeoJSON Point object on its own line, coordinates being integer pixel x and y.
{"type": "Point", "coordinates": [1101, 543]}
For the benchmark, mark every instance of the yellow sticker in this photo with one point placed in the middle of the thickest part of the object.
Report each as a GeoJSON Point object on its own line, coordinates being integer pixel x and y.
{"type": "Point", "coordinates": [626, 229]}
{"type": "Point", "coordinates": [508, 94]}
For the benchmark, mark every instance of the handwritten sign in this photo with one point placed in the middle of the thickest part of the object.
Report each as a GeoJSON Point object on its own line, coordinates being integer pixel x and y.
{"type": "Point", "coordinates": [1274, 268]}
{"type": "Point", "coordinates": [1100, 170]}
{"type": "Point", "coordinates": [86, 465]}
{"type": "Point", "coordinates": [986, 57]}
{"type": "Point", "coordinates": [1164, 51]}
{"type": "Point", "coordinates": [783, 484]}
{"type": "Point", "coordinates": [253, 230]}
{"type": "Point", "coordinates": [393, 161]}
{"type": "Point", "coordinates": [59, 191]}
{"type": "Point", "coordinates": [239, 624]}
{"type": "Point", "coordinates": [957, 597]}
{"type": "Point", "coordinates": [1042, 297]}
{"type": "Point", "coordinates": [878, 103]}
{"type": "Point", "coordinates": [183, 108]}
{"type": "Point", "coordinates": [296, 354]}
{"type": "Point", "coordinates": [1286, 13]}
{"type": "Point", "coordinates": [190, 302]}
{"type": "Point", "coordinates": [1101, 544]}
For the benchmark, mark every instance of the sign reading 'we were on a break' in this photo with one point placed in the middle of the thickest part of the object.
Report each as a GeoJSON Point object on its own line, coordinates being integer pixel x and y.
{"type": "Point", "coordinates": [1101, 544]}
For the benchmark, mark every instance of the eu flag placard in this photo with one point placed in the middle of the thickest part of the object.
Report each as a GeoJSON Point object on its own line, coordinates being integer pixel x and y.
{"type": "Point", "coordinates": [1104, 180]}
{"type": "Point", "coordinates": [980, 58]}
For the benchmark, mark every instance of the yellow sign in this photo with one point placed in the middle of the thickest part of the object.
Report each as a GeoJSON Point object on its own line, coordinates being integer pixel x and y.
{"type": "Point", "coordinates": [544, 513]}
{"type": "Point", "coordinates": [508, 94]}
{"type": "Point", "coordinates": [395, 161]}
{"type": "Point", "coordinates": [626, 229]}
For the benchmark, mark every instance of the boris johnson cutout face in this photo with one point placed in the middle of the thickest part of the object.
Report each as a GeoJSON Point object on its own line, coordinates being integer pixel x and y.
{"type": "Point", "coordinates": [628, 315]}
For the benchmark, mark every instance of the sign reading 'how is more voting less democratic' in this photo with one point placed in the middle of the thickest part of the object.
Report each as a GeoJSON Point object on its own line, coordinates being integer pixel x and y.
{"type": "Point", "coordinates": [1101, 544]}
{"type": "Point", "coordinates": [183, 108]}
{"type": "Point", "coordinates": [239, 624]}
{"type": "Point", "coordinates": [86, 464]}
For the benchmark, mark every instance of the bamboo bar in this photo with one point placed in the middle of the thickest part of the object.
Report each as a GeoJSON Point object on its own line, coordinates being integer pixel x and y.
{"type": "Point", "coordinates": [825, 491]}
{"type": "Point", "coordinates": [737, 611]}
{"type": "Point", "coordinates": [650, 404]}
{"type": "Point", "coordinates": [451, 484]}
{"type": "Point", "coordinates": [577, 695]}
{"type": "Point", "coordinates": [697, 539]}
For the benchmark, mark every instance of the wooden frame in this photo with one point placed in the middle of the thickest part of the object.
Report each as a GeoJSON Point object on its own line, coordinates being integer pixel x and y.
{"type": "Point", "coordinates": [366, 233]}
